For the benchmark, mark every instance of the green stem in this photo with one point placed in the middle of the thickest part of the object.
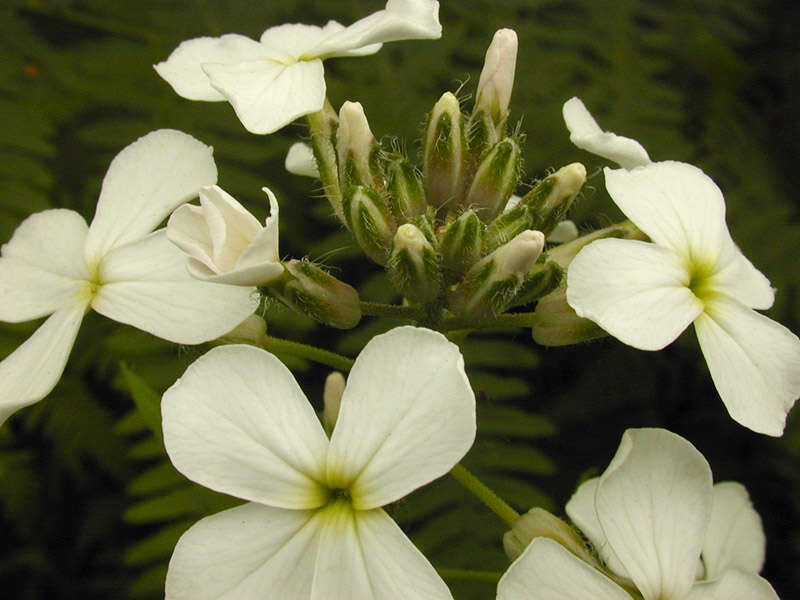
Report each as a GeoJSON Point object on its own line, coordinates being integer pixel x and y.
{"type": "Point", "coordinates": [484, 494]}
{"type": "Point", "coordinates": [500, 321]}
{"type": "Point", "coordinates": [325, 357]}
{"type": "Point", "coordinates": [467, 575]}
{"type": "Point", "coordinates": [376, 309]}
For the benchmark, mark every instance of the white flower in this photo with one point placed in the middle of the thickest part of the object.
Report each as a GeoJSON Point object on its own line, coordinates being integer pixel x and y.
{"type": "Point", "coordinates": [646, 294]}
{"type": "Point", "coordinates": [55, 265]}
{"type": "Point", "coordinates": [272, 82]}
{"type": "Point", "coordinates": [237, 422]}
{"type": "Point", "coordinates": [224, 242]}
{"type": "Point", "coordinates": [497, 76]}
{"type": "Point", "coordinates": [650, 516]}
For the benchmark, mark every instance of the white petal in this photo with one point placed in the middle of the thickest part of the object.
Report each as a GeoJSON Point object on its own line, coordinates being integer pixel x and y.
{"type": "Point", "coordinates": [268, 95]}
{"type": "Point", "coordinates": [548, 571]}
{"type": "Point", "coordinates": [735, 536]}
{"type": "Point", "coordinates": [183, 69]}
{"type": "Point", "coordinates": [52, 240]}
{"type": "Point", "coordinates": [29, 373]}
{"type": "Point", "coordinates": [188, 229]}
{"type": "Point", "coordinates": [754, 362]}
{"type": "Point", "coordinates": [292, 42]}
{"type": "Point", "coordinates": [634, 290]}
{"type": "Point", "coordinates": [654, 503]}
{"type": "Point", "coordinates": [582, 512]}
{"type": "Point", "coordinates": [263, 247]}
{"type": "Point", "coordinates": [146, 285]}
{"type": "Point", "coordinates": [236, 226]}
{"type": "Point", "coordinates": [407, 417]}
{"type": "Point", "coordinates": [586, 134]}
{"type": "Point", "coordinates": [365, 555]}
{"type": "Point", "coordinates": [237, 422]}
{"type": "Point", "coordinates": [400, 20]}
{"type": "Point", "coordinates": [145, 182]}
{"type": "Point", "coordinates": [29, 292]}
{"type": "Point", "coordinates": [735, 585]}
{"type": "Point", "coordinates": [300, 161]}
{"type": "Point", "coordinates": [736, 277]}
{"type": "Point", "coordinates": [251, 551]}
{"type": "Point", "coordinates": [677, 205]}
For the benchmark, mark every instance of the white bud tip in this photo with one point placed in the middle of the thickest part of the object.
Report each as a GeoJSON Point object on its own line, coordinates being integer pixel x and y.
{"type": "Point", "coordinates": [497, 77]}
{"type": "Point", "coordinates": [354, 129]}
{"type": "Point", "coordinates": [332, 397]}
{"type": "Point", "coordinates": [571, 178]}
{"type": "Point", "coordinates": [408, 236]}
{"type": "Point", "coordinates": [447, 103]}
{"type": "Point", "coordinates": [519, 255]}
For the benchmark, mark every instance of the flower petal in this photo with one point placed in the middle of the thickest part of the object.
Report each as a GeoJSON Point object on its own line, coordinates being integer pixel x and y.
{"type": "Point", "coordinates": [547, 571]}
{"type": "Point", "coordinates": [677, 205]}
{"type": "Point", "coordinates": [145, 182]}
{"type": "Point", "coordinates": [400, 20]}
{"type": "Point", "coordinates": [407, 416]}
{"type": "Point", "coordinates": [268, 95]}
{"type": "Point", "coordinates": [735, 538]}
{"type": "Point", "coordinates": [29, 292]}
{"type": "Point", "coordinates": [232, 229]}
{"type": "Point", "coordinates": [29, 373]}
{"type": "Point", "coordinates": [263, 247]}
{"type": "Point", "coordinates": [754, 362]}
{"type": "Point", "coordinates": [300, 161]}
{"type": "Point", "coordinates": [365, 555]}
{"type": "Point", "coordinates": [736, 277]}
{"type": "Point", "coordinates": [582, 512]}
{"type": "Point", "coordinates": [586, 134]}
{"type": "Point", "coordinates": [654, 503]}
{"type": "Point", "coordinates": [291, 42]}
{"type": "Point", "coordinates": [183, 69]}
{"type": "Point", "coordinates": [251, 551]}
{"type": "Point", "coordinates": [237, 422]}
{"type": "Point", "coordinates": [189, 230]}
{"type": "Point", "coordinates": [147, 286]}
{"type": "Point", "coordinates": [734, 585]}
{"type": "Point", "coordinates": [635, 290]}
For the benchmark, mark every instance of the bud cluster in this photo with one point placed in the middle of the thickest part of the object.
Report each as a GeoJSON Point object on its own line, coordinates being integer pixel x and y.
{"type": "Point", "coordinates": [451, 234]}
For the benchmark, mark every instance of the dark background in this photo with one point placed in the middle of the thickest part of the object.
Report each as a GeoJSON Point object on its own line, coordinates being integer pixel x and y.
{"type": "Point", "coordinates": [89, 508]}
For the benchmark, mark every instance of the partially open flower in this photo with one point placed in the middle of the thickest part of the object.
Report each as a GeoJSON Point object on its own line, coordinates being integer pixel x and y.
{"type": "Point", "coordinates": [224, 242]}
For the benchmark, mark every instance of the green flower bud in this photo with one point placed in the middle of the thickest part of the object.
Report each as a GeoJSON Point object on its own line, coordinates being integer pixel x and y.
{"type": "Point", "coordinates": [406, 195]}
{"type": "Point", "coordinates": [491, 285]}
{"type": "Point", "coordinates": [311, 291]}
{"type": "Point", "coordinates": [323, 125]}
{"type": "Point", "coordinates": [543, 278]}
{"type": "Point", "coordinates": [357, 150]}
{"type": "Point", "coordinates": [553, 196]}
{"type": "Point", "coordinates": [507, 226]}
{"type": "Point", "coordinates": [250, 331]}
{"type": "Point", "coordinates": [444, 153]}
{"type": "Point", "coordinates": [495, 179]}
{"type": "Point", "coordinates": [414, 267]}
{"type": "Point", "coordinates": [370, 221]}
{"type": "Point", "coordinates": [537, 522]}
{"type": "Point", "coordinates": [461, 244]}
{"type": "Point", "coordinates": [332, 400]}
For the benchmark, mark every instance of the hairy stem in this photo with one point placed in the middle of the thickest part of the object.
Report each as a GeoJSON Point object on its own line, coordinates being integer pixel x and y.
{"type": "Point", "coordinates": [325, 357]}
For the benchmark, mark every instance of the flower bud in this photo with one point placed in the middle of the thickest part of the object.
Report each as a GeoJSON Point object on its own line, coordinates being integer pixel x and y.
{"type": "Point", "coordinates": [332, 399]}
{"type": "Point", "coordinates": [311, 291]}
{"type": "Point", "coordinates": [250, 331]}
{"type": "Point", "coordinates": [414, 266]}
{"type": "Point", "coordinates": [495, 179]}
{"type": "Point", "coordinates": [497, 76]}
{"type": "Point", "coordinates": [508, 225]}
{"type": "Point", "coordinates": [565, 231]}
{"type": "Point", "coordinates": [224, 242]}
{"type": "Point", "coordinates": [461, 245]}
{"type": "Point", "coordinates": [445, 147]}
{"type": "Point", "coordinates": [552, 197]}
{"type": "Point", "coordinates": [545, 276]}
{"type": "Point", "coordinates": [537, 522]}
{"type": "Point", "coordinates": [406, 196]}
{"type": "Point", "coordinates": [323, 125]}
{"type": "Point", "coordinates": [300, 160]}
{"type": "Point", "coordinates": [357, 150]}
{"type": "Point", "coordinates": [490, 285]}
{"type": "Point", "coordinates": [370, 221]}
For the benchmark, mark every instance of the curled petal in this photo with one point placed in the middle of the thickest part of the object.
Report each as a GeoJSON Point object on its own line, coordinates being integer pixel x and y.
{"type": "Point", "coordinates": [586, 134]}
{"type": "Point", "coordinates": [183, 70]}
{"type": "Point", "coordinates": [754, 362]}
{"type": "Point", "coordinates": [635, 290]}
{"type": "Point", "coordinates": [734, 585]}
{"type": "Point", "coordinates": [407, 416]}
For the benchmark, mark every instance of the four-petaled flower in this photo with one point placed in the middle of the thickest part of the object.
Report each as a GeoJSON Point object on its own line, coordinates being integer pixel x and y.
{"type": "Point", "coordinates": [650, 516]}
{"type": "Point", "coordinates": [313, 528]}
{"type": "Point", "coordinates": [55, 265]}
{"type": "Point", "coordinates": [272, 82]}
{"type": "Point", "coordinates": [645, 294]}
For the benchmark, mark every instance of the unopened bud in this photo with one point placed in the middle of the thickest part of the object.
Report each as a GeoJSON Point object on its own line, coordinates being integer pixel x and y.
{"type": "Point", "coordinates": [545, 276]}
{"type": "Point", "coordinates": [491, 285]}
{"type": "Point", "coordinates": [564, 253]}
{"type": "Point", "coordinates": [357, 149]}
{"type": "Point", "coordinates": [566, 231]}
{"type": "Point", "coordinates": [250, 331]}
{"type": "Point", "coordinates": [444, 152]}
{"type": "Point", "coordinates": [537, 522]}
{"type": "Point", "coordinates": [323, 125]}
{"type": "Point", "coordinates": [462, 244]}
{"type": "Point", "coordinates": [497, 76]}
{"type": "Point", "coordinates": [495, 179]}
{"type": "Point", "coordinates": [406, 195]}
{"type": "Point", "coordinates": [508, 225]}
{"type": "Point", "coordinates": [311, 291]}
{"type": "Point", "coordinates": [555, 323]}
{"type": "Point", "coordinates": [370, 221]}
{"type": "Point", "coordinates": [332, 399]}
{"type": "Point", "coordinates": [553, 196]}
{"type": "Point", "coordinates": [414, 266]}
